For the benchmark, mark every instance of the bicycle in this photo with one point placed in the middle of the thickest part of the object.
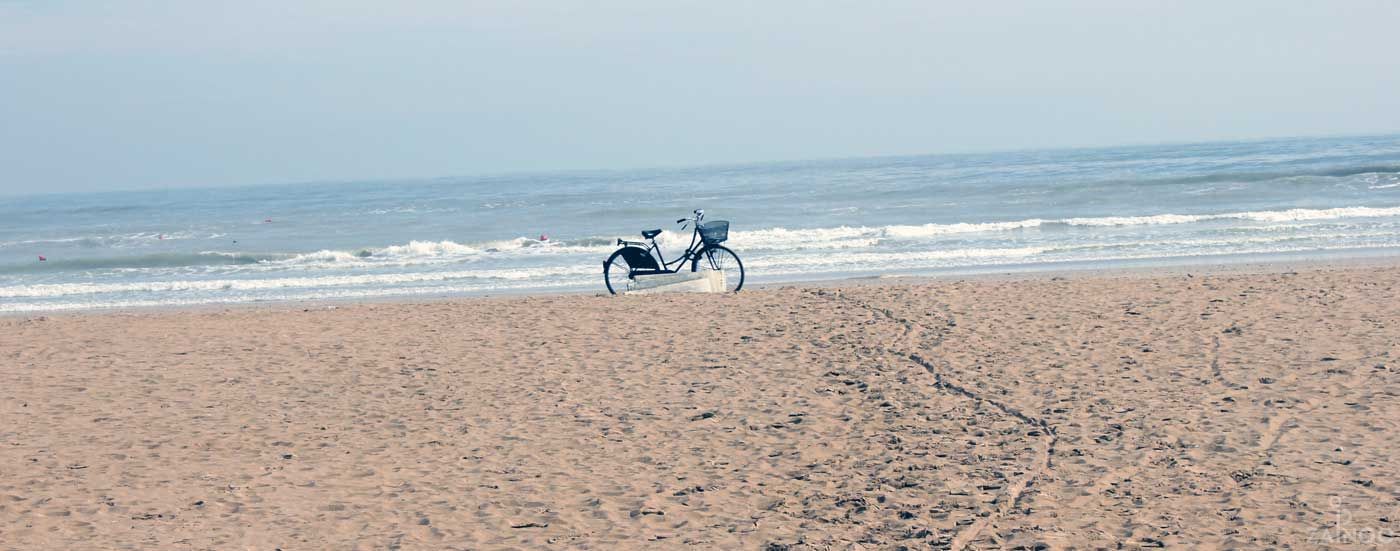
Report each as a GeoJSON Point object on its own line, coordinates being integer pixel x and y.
{"type": "Point", "coordinates": [705, 252]}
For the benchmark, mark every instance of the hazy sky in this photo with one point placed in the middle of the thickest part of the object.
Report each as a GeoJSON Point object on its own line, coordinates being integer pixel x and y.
{"type": "Point", "coordinates": [102, 95]}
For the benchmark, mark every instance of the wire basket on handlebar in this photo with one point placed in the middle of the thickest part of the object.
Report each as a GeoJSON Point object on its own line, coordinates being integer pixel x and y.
{"type": "Point", "coordinates": [714, 233]}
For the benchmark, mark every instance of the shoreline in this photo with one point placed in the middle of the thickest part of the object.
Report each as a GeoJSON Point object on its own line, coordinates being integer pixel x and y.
{"type": "Point", "coordinates": [1153, 267]}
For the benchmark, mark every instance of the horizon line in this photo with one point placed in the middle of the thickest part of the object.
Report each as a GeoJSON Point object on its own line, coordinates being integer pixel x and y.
{"type": "Point", "coordinates": [422, 179]}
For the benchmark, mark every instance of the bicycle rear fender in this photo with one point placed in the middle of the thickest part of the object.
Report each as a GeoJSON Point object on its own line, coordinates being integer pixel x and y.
{"type": "Point", "coordinates": [639, 259]}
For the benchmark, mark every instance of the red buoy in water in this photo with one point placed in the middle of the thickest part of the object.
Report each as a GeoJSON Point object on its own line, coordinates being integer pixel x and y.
{"type": "Point", "coordinates": [544, 238]}
{"type": "Point", "coordinates": [42, 259]}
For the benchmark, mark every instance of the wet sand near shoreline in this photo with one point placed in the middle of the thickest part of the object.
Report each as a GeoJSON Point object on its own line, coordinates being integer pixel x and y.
{"type": "Point", "coordinates": [1252, 410]}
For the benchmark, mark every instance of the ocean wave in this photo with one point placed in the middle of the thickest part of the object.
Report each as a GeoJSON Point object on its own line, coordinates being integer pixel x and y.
{"type": "Point", "coordinates": [931, 230]}
{"type": "Point", "coordinates": [145, 261]}
{"type": "Point", "coordinates": [1369, 239]}
{"type": "Point", "coordinates": [773, 239]}
{"type": "Point", "coordinates": [881, 260]}
{"type": "Point", "coordinates": [111, 241]}
{"type": "Point", "coordinates": [884, 263]}
{"type": "Point", "coordinates": [1294, 215]}
{"type": "Point", "coordinates": [210, 291]}
{"type": "Point", "coordinates": [865, 236]}
{"type": "Point", "coordinates": [62, 296]}
{"type": "Point", "coordinates": [1360, 171]}
{"type": "Point", "coordinates": [583, 279]}
{"type": "Point", "coordinates": [225, 285]}
{"type": "Point", "coordinates": [407, 254]}
{"type": "Point", "coordinates": [439, 252]}
{"type": "Point", "coordinates": [1133, 220]}
{"type": "Point", "coordinates": [99, 302]}
{"type": "Point", "coordinates": [1289, 215]}
{"type": "Point", "coordinates": [407, 210]}
{"type": "Point", "coordinates": [1248, 177]}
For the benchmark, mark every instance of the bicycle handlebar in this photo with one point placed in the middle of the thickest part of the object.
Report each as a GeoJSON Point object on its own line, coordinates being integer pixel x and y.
{"type": "Point", "coordinates": [699, 215]}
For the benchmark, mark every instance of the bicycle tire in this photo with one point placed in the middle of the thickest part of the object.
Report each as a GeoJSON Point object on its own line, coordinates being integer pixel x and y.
{"type": "Point", "coordinates": [711, 261]}
{"type": "Point", "coordinates": [613, 263]}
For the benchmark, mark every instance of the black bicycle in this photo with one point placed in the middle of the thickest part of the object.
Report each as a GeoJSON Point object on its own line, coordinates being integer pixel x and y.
{"type": "Point", "coordinates": [704, 253]}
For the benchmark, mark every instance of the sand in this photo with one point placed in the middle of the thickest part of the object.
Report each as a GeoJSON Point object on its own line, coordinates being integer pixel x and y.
{"type": "Point", "coordinates": [1228, 410]}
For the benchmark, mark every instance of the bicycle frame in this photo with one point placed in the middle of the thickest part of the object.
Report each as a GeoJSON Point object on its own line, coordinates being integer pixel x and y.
{"type": "Point", "coordinates": [692, 252]}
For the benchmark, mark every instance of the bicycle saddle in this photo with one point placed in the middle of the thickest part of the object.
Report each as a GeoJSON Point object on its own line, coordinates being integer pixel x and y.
{"type": "Point", "coordinates": [648, 234]}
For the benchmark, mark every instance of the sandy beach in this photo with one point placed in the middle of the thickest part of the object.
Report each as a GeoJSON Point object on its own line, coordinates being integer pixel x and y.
{"type": "Point", "coordinates": [1233, 410]}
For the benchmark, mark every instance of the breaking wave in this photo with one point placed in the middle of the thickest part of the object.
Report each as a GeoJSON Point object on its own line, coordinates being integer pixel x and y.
{"type": "Point", "coordinates": [862, 236]}
{"type": "Point", "coordinates": [776, 239]}
{"type": "Point", "coordinates": [115, 241]}
{"type": "Point", "coordinates": [359, 280]}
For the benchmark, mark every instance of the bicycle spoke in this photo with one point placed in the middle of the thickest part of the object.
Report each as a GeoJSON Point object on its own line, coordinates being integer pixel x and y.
{"type": "Point", "coordinates": [618, 274]}
{"type": "Point", "coordinates": [724, 261]}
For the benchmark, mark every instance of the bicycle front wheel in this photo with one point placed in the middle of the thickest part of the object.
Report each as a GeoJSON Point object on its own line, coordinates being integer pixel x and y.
{"type": "Point", "coordinates": [716, 257]}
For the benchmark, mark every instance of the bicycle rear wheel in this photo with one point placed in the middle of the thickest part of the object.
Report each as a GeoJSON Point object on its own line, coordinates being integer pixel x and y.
{"type": "Point", "coordinates": [716, 257]}
{"type": "Point", "coordinates": [616, 273]}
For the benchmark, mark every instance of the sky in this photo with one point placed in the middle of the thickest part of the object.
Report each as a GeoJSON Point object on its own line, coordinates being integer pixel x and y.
{"type": "Point", "coordinates": [115, 95]}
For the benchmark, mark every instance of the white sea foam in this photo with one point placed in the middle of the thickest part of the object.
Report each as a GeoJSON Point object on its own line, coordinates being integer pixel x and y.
{"type": "Point", "coordinates": [931, 230]}
{"type": "Point", "coordinates": [100, 302]}
{"type": "Point", "coordinates": [225, 285]}
{"type": "Point", "coordinates": [114, 240]}
{"type": "Point", "coordinates": [771, 239]}
{"type": "Point", "coordinates": [798, 270]}
{"type": "Point", "coordinates": [432, 252]}
{"type": "Point", "coordinates": [860, 236]}
{"type": "Point", "coordinates": [768, 252]}
{"type": "Point", "coordinates": [1135, 220]}
{"type": "Point", "coordinates": [857, 237]}
{"type": "Point", "coordinates": [1290, 215]}
{"type": "Point", "coordinates": [428, 248]}
{"type": "Point", "coordinates": [817, 238]}
{"type": "Point", "coordinates": [880, 260]}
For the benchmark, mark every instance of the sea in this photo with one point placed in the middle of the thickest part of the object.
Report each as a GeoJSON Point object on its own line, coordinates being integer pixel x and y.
{"type": "Point", "coordinates": [550, 232]}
